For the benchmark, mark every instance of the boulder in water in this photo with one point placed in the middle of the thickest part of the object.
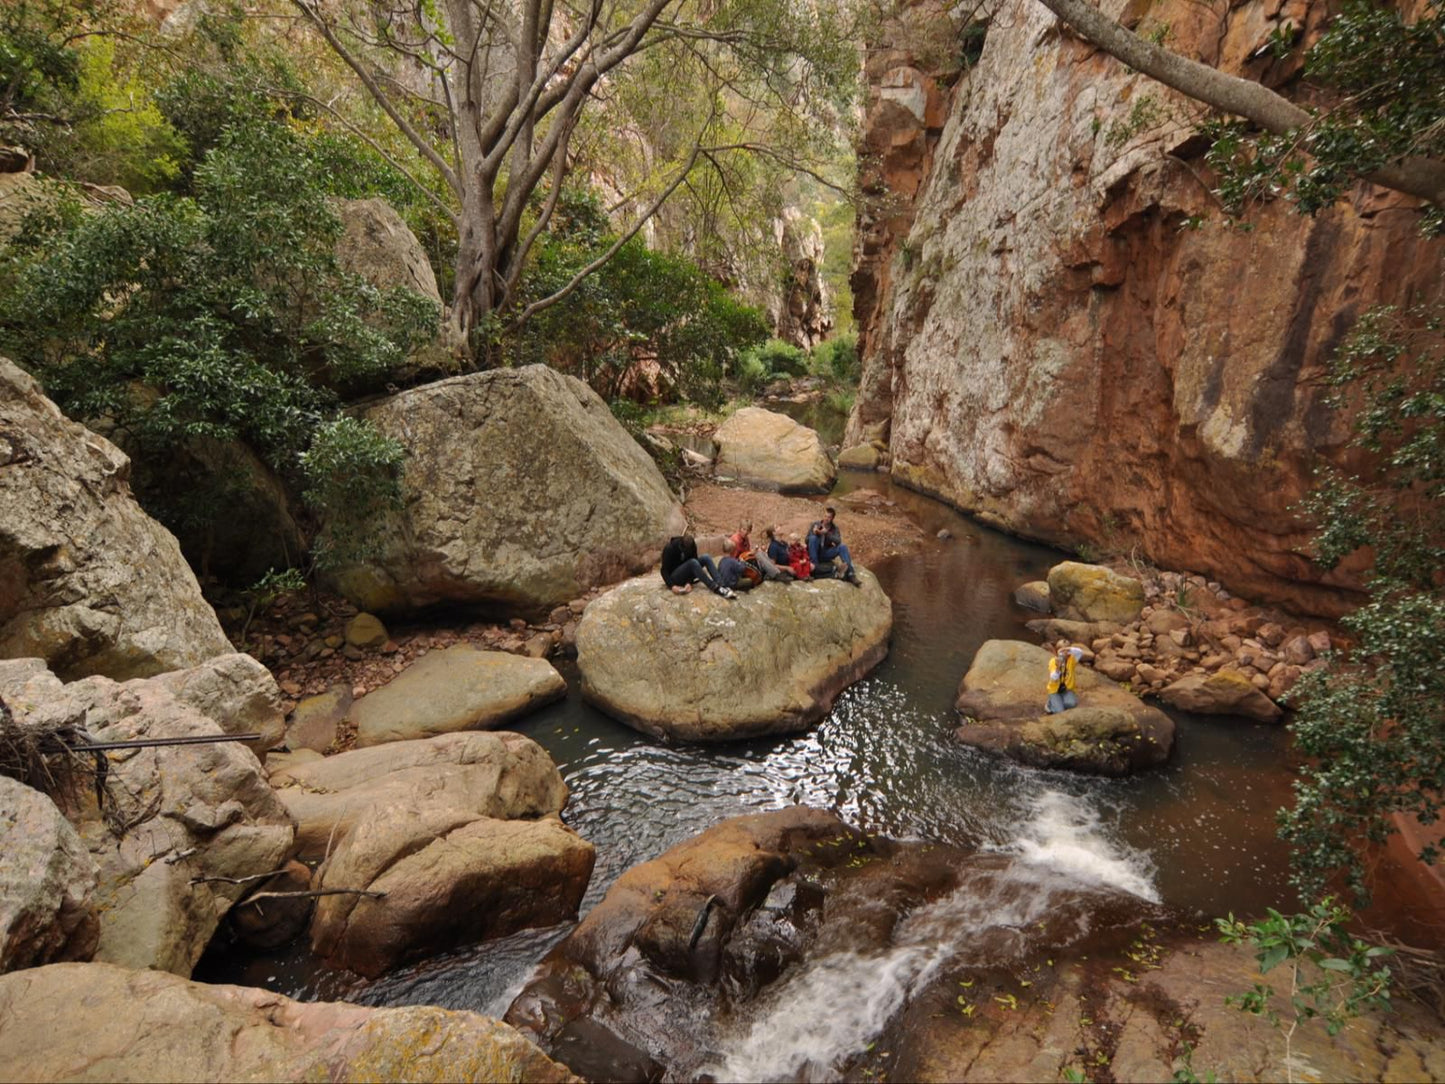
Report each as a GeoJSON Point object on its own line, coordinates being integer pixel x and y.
{"type": "Point", "coordinates": [461, 688]}
{"type": "Point", "coordinates": [770, 450]}
{"type": "Point", "coordinates": [1080, 592]}
{"type": "Point", "coordinates": [448, 878]}
{"type": "Point", "coordinates": [1111, 732]}
{"type": "Point", "coordinates": [97, 1022]}
{"type": "Point", "coordinates": [88, 581]}
{"type": "Point", "coordinates": [1034, 596]}
{"type": "Point", "coordinates": [699, 667]}
{"type": "Point", "coordinates": [521, 492]}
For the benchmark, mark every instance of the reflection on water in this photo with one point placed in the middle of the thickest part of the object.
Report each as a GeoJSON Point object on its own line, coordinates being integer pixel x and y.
{"type": "Point", "coordinates": [1197, 834]}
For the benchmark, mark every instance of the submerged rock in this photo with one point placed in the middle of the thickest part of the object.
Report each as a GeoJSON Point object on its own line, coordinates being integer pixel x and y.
{"type": "Point", "coordinates": [770, 450]}
{"type": "Point", "coordinates": [46, 880]}
{"type": "Point", "coordinates": [461, 688]}
{"type": "Point", "coordinates": [487, 774]}
{"type": "Point", "coordinates": [181, 823]}
{"type": "Point", "coordinates": [1034, 596]}
{"type": "Point", "coordinates": [521, 492]}
{"type": "Point", "coordinates": [97, 1022]}
{"type": "Point", "coordinates": [88, 581]}
{"type": "Point", "coordinates": [1225, 692]}
{"type": "Point", "coordinates": [699, 667]}
{"type": "Point", "coordinates": [1111, 732]}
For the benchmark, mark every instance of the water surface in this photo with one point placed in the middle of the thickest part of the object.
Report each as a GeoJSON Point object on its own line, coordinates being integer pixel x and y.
{"type": "Point", "coordinates": [1197, 834]}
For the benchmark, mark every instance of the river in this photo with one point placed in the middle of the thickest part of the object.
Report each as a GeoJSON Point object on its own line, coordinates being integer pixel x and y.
{"type": "Point", "coordinates": [1197, 835]}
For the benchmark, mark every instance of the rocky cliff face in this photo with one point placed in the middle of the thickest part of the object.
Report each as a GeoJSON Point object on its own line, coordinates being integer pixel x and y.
{"type": "Point", "coordinates": [1052, 337]}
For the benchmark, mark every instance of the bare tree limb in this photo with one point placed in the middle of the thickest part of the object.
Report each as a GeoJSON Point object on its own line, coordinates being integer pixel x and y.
{"type": "Point", "coordinates": [422, 145]}
{"type": "Point", "coordinates": [1423, 178]}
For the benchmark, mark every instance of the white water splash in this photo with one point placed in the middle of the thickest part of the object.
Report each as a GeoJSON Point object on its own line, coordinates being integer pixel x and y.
{"type": "Point", "coordinates": [1064, 833]}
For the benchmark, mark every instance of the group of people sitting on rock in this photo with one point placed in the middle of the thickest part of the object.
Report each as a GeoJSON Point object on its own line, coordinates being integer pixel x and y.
{"type": "Point", "coordinates": [743, 566]}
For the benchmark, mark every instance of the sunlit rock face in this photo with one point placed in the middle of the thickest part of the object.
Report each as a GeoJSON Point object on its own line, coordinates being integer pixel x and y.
{"type": "Point", "coordinates": [1062, 334]}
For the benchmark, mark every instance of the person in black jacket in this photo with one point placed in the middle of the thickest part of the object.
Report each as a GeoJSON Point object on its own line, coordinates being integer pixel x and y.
{"type": "Point", "coordinates": [682, 567]}
{"type": "Point", "coordinates": [825, 542]}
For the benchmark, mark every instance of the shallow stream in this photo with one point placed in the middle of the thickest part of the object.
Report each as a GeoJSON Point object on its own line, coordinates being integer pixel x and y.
{"type": "Point", "coordinates": [1197, 835]}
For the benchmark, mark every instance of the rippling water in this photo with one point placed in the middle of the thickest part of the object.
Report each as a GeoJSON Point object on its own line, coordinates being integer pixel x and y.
{"type": "Point", "coordinates": [1197, 834]}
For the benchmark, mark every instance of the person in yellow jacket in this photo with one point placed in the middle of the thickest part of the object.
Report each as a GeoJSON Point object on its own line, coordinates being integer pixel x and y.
{"type": "Point", "coordinates": [1061, 679]}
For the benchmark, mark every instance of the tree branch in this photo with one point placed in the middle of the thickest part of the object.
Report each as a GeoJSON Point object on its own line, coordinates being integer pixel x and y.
{"type": "Point", "coordinates": [1423, 178]}
{"type": "Point", "coordinates": [427, 150]}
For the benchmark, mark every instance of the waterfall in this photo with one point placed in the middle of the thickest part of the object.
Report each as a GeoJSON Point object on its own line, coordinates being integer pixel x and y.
{"type": "Point", "coordinates": [833, 1006]}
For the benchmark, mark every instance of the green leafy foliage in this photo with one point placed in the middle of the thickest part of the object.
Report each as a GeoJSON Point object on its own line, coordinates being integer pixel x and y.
{"type": "Point", "coordinates": [219, 315]}
{"type": "Point", "coordinates": [1369, 725]}
{"type": "Point", "coordinates": [1383, 82]}
{"type": "Point", "coordinates": [837, 359]}
{"type": "Point", "coordinates": [1333, 976]}
{"type": "Point", "coordinates": [642, 310]}
{"type": "Point", "coordinates": [76, 102]}
{"type": "Point", "coordinates": [354, 473]}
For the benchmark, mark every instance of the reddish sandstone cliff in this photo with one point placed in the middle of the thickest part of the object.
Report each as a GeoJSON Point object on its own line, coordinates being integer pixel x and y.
{"type": "Point", "coordinates": [1054, 340]}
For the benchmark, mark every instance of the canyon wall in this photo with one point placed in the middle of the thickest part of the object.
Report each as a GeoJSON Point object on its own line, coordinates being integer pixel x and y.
{"type": "Point", "coordinates": [1061, 331]}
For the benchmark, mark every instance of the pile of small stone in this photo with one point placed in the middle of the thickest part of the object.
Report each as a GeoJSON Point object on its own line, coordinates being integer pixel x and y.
{"type": "Point", "coordinates": [1190, 625]}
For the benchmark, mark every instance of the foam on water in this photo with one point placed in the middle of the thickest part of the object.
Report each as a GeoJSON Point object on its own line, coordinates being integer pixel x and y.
{"type": "Point", "coordinates": [1064, 833]}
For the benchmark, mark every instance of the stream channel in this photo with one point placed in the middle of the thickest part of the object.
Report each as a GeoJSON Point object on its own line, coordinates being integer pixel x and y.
{"type": "Point", "coordinates": [1197, 835]}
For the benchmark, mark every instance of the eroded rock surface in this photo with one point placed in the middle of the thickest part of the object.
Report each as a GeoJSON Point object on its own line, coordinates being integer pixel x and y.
{"type": "Point", "coordinates": [96, 1022]}
{"type": "Point", "coordinates": [88, 581]}
{"type": "Point", "coordinates": [174, 816]}
{"type": "Point", "coordinates": [1080, 592]}
{"type": "Point", "coordinates": [461, 688]}
{"type": "Point", "coordinates": [379, 246]}
{"type": "Point", "coordinates": [1111, 732]}
{"type": "Point", "coordinates": [1050, 347]}
{"type": "Point", "coordinates": [699, 667]}
{"type": "Point", "coordinates": [487, 774]}
{"type": "Point", "coordinates": [767, 449]}
{"type": "Point", "coordinates": [1224, 692]}
{"type": "Point", "coordinates": [46, 880]}
{"type": "Point", "coordinates": [449, 878]}
{"type": "Point", "coordinates": [521, 492]}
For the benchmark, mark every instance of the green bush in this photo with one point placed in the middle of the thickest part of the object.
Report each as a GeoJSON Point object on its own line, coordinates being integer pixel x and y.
{"type": "Point", "coordinates": [751, 372]}
{"type": "Point", "coordinates": [783, 359]}
{"type": "Point", "coordinates": [640, 306]}
{"type": "Point", "coordinates": [220, 315]}
{"type": "Point", "coordinates": [837, 358]}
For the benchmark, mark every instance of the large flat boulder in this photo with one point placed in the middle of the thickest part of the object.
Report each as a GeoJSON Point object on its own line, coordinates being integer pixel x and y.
{"type": "Point", "coordinates": [484, 773]}
{"type": "Point", "coordinates": [698, 667]}
{"type": "Point", "coordinates": [70, 1022]}
{"type": "Point", "coordinates": [769, 450]}
{"type": "Point", "coordinates": [46, 880]}
{"type": "Point", "coordinates": [1111, 732]}
{"type": "Point", "coordinates": [180, 823]}
{"type": "Point", "coordinates": [521, 492]}
{"type": "Point", "coordinates": [1224, 692]}
{"type": "Point", "coordinates": [461, 688]}
{"type": "Point", "coordinates": [1080, 592]}
{"type": "Point", "coordinates": [88, 581]}
{"type": "Point", "coordinates": [449, 878]}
